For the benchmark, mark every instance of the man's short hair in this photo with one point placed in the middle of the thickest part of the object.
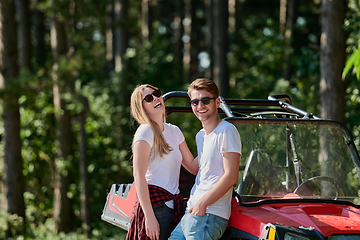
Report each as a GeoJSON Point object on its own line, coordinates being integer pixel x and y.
{"type": "Point", "coordinates": [204, 84]}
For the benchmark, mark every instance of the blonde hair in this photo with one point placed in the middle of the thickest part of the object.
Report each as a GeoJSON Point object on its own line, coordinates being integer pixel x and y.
{"type": "Point", "coordinates": [138, 112]}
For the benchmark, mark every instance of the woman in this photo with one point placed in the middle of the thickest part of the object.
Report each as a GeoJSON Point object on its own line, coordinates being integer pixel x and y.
{"type": "Point", "coordinates": [159, 149]}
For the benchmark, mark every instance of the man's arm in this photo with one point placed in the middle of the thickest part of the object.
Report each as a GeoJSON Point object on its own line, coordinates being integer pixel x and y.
{"type": "Point", "coordinates": [231, 167]}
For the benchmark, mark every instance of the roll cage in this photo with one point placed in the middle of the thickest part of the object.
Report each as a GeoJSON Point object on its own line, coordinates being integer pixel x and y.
{"type": "Point", "coordinates": [290, 122]}
{"type": "Point", "coordinates": [276, 105]}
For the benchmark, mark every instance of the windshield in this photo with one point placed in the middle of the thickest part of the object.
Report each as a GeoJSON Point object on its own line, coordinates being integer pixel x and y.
{"type": "Point", "coordinates": [313, 159]}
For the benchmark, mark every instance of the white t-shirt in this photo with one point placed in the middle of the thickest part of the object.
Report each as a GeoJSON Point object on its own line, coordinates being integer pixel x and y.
{"type": "Point", "coordinates": [163, 172]}
{"type": "Point", "coordinates": [224, 138]}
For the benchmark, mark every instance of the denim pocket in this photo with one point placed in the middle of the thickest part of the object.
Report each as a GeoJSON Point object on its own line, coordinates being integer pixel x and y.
{"type": "Point", "coordinates": [165, 217]}
{"type": "Point", "coordinates": [208, 226]}
{"type": "Point", "coordinates": [215, 227]}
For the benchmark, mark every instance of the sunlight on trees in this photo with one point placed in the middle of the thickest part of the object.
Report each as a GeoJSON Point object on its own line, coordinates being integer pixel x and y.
{"type": "Point", "coordinates": [158, 48]}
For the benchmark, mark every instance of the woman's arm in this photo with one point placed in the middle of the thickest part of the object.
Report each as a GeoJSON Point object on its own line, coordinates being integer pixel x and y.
{"type": "Point", "coordinates": [141, 153]}
{"type": "Point", "coordinates": [189, 162]}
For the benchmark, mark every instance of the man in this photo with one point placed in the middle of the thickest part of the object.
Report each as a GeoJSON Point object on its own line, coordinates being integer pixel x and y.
{"type": "Point", "coordinates": [219, 151]}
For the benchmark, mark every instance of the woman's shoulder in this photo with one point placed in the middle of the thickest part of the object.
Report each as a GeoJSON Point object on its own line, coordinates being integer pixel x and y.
{"type": "Point", "coordinates": [143, 128]}
{"type": "Point", "coordinates": [170, 125]}
{"type": "Point", "coordinates": [144, 132]}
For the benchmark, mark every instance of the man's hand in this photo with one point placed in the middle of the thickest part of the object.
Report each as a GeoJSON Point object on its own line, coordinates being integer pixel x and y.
{"type": "Point", "coordinates": [197, 210]}
{"type": "Point", "coordinates": [225, 183]}
{"type": "Point", "coordinates": [152, 228]}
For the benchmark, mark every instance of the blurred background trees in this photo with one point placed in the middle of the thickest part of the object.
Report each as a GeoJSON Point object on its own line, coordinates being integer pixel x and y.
{"type": "Point", "coordinates": [68, 68]}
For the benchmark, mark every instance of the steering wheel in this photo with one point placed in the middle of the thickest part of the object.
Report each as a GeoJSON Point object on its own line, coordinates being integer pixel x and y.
{"type": "Point", "coordinates": [321, 178]}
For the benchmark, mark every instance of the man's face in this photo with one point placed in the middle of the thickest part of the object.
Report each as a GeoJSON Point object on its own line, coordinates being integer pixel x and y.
{"type": "Point", "coordinates": [204, 105]}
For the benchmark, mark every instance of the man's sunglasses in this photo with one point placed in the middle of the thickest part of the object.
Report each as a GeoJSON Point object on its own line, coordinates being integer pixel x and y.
{"type": "Point", "coordinates": [205, 101]}
{"type": "Point", "coordinates": [150, 97]}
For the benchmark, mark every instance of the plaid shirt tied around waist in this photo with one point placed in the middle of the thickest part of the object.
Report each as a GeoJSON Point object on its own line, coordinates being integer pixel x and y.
{"type": "Point", "coordinates": [158, 196]}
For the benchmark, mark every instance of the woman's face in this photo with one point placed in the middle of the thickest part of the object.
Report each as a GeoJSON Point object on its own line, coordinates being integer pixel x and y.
{"type": "Point", "coordinates": [153, 102]}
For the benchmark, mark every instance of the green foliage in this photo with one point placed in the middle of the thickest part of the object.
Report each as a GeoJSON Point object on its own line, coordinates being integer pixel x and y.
{"type": "Point", "coordinates": [156, 65]}
{"type": "Point", "coordinates": [257, 57]}
{"type": "Point", "coordinates": [11, 226]}
{"type": "Point", "coordinates": [46, 231]}
{"type": "Point", "coordinates": [351, 73]}
{"type": "Point", "coordinates": [353, 62]}
{"type": "Point", "coordinates": [256, 70]}
{"type": "Point", "coordinates": [254, 57]}
{"type": "Point", "coordinates": [351, 26]}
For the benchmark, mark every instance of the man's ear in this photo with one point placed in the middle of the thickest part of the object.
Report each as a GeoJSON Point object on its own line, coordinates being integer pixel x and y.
{"type": "Point", "coordinates": [217, 102]}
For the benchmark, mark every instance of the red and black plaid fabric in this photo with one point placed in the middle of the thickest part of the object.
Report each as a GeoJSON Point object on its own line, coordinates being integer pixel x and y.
{"type": "Point", "coordinates": [158, 196]}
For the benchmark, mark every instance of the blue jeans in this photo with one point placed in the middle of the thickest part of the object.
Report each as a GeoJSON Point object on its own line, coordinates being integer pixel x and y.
{"type": "Point", "coordinates": [165, 217]}
{"type": "Point", "coordinates": [192, 227]}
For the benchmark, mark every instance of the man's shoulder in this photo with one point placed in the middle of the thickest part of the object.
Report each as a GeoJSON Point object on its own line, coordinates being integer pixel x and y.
{"type": "Point", "coordinates": [225, 125]}
{"type": "Point", "coordinates": [201, 131]}
{"type": "Point", "coordinates": [229, 129]}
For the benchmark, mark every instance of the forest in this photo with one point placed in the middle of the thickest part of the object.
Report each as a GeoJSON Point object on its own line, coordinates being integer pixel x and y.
{"type": "Point", "coordinates": [68, 67]}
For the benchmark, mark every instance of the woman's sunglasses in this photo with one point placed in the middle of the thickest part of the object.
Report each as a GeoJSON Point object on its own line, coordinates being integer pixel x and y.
{"type": "Point", "coordinates": [150, 97]}
{"type": "Point", "coordinates": [205, 101]}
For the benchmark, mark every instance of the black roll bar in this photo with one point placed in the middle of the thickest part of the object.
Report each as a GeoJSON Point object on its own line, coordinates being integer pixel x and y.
{"type": "Point", "coordinates": [257, 107]}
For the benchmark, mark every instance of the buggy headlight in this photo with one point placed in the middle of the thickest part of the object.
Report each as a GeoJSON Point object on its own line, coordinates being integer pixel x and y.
{"type": "Point", "coordinates": [291, 236]}
{"type": "Point", "coordinates": [273, 231]}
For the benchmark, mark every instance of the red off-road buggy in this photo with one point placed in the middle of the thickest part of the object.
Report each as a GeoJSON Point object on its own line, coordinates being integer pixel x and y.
{"type": "Point", "coordinates": [300, 178]}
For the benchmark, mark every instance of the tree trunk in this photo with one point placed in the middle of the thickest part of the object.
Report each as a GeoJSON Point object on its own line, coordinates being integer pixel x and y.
{"type": "Point", "coordinates": [332, 62]}
{"type": "Point", "coordinates": [120, 33]}
{"type": "Point", "coordinates": [186, 39]}
{"type": "Point", "coordinates": [221, 46]}
{"type": "Point", "coordinates": [120, 40]}
{"type": "Point", "coordinates": [232, 17]}
{"type": "Point", "coordinates": [146, 16]}
{"type": "Point", "coordinates": [287, 18]}
{"type": "Point", "coordinates": [194, 39]}
{"type": "Point", "coordinates": [178, 35]}
{"type": "Point", "coordinates": [24, 34]}
{"type": "Point", "coordinates": [13, 179]}
{"type": "Point", "coordinates": [63, 210]}
{"type": "Point", "coordinates": [238, 19]}
{"type": "Point", "coordinates": [209, 37]}
{"type": "Point", "coordinates": [110, 62]}
{"type": "Point", "coordinates": [39, 36]}
{"type": "Point", "coordinates": [83, 165]}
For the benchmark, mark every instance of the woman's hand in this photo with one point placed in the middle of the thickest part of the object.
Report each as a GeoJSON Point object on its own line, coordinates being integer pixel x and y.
{"type": "Point", "coordinates": [152, 228]}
